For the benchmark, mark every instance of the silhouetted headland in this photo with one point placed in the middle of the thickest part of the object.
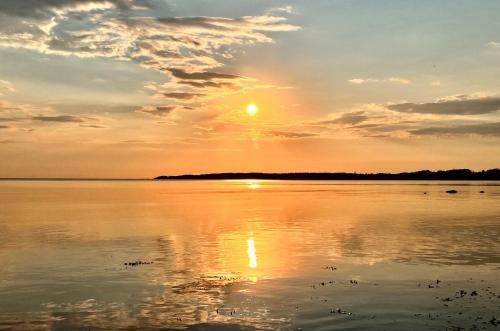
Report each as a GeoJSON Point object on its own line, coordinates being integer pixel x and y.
{"type": "Point", "coordinates": [454, 174]}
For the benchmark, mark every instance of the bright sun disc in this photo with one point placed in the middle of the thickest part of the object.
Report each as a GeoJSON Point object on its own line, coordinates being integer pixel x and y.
{"type": "Point", "coordinates": [252, 109]}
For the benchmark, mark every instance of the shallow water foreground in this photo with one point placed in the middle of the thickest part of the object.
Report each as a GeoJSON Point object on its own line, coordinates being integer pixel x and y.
{"type": "Point", "coordinates": [245, 255]}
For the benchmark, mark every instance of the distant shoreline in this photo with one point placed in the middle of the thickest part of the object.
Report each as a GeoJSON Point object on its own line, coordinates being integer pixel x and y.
{"type": "Point", "coordinates": [423, 175]}
{"type": "Point", "coordinates": [454, 174]}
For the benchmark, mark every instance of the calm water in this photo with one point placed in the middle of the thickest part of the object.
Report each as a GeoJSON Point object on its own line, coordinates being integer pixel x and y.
{"type": "Point", "coordinates": [245, 255]}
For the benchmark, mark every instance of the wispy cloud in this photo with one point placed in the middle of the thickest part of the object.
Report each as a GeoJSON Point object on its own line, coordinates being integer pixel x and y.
{"type": "Point", "coordinates": [351, 118]}
{"type": "Point", "coordinates": [6, 86]}
{"type": "Point", "coordinates": [461, 105]}
{"type": "Point", "coordinates": [395, 80]}
{"type": "Point", "coordinates": [494, 44]}
{"type": "Point", "coordinates": [60, 119]}
{"type": "Point", "coordinates": [290, 134]}
{"type": "Point", "coordinates": [285, 9]}
{"type": "Point", "coordinates": [483, 129]}
{"type": "Point", "coordinates": [160, 111]}
{"type": "Point", "coordinates": [465, 114]}
{"type": "Point", "coordinates": [182, 95]}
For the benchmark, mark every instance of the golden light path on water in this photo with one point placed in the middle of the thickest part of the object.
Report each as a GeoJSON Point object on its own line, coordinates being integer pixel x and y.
{"type": "Point", "coordinates": [252, 256]}
{"type": "Point", "coordinates": [252, 184]}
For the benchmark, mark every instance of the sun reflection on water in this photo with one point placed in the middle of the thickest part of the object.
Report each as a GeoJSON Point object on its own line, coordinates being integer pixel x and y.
{"type": "Point", "coordinates": [252, 184]}
{"type": "Point", "coordinates": [252, 256]}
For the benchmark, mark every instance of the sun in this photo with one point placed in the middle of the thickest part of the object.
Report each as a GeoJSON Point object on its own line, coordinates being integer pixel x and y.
{"type": "Point", "coordinates": [252, 109]}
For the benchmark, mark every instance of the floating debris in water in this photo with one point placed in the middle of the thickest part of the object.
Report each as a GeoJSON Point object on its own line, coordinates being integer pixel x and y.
{"type": "Point", "coordinates": [137, 263]}
{"type": "Point", "coordinates": [339, 311]}
{"type": "Point", "coordinates": [452, 191]}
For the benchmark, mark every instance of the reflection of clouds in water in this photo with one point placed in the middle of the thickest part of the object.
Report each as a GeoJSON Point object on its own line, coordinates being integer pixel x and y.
{"type": "Point", "coordinates": [189, 304]}
{"type": "Point", "coordinates": [440, 241]}
{"type": "Point", "coordinates": [34, 235]}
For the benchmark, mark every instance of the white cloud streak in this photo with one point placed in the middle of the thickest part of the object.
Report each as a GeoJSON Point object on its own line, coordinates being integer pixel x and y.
{"type": "Point", "coordinates": [395, 80]}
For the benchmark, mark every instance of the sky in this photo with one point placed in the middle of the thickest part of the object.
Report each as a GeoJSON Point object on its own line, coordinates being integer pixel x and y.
{"type": "Point", "coordinates": [141, 88]}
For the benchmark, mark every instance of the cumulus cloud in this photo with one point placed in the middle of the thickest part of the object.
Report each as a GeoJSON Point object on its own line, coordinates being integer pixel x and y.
{"type": "Point", "coordinates": [462, 105]}
{"type": "Point", "coordinates": [396, 80]}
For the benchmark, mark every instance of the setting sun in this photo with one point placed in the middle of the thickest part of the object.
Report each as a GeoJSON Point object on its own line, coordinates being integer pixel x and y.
{"type": "Point", "coordinates": [252, 109]}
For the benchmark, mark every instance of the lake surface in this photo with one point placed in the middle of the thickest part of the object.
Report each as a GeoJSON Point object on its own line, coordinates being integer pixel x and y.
{"type": "Point", "coordinates": [249, 255]}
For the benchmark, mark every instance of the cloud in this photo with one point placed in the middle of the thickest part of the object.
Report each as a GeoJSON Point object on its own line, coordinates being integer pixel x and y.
{"type": "Point", "coordinates": [93, 126]}
{"type": "Point", "coordinates": [11, 119]}
{"type": "Point", "coordinates": [5, 86]}
{"type": "Point", "coordinates": [396, 80]}
{"type": "Point", "coordinates": [160, 111]}
{"type": "Point", "coordinates": [169, 44]}
{"type": "Point", "coordinates": [4, 127]}
{"type": "Point", "coordinates": [182, 74]}
{"type": "Point", "coordinates": [182, 95]}
{"type": "Point", "coordinates": [436, 83]}
{"type": "Point", "coordinates": [285, 9]}
{"type": "Point", "coordinates": [494, 44]}
{"type": "Point", "coordinates": [43, 9]}
{"type": "Point", "coordinates": [206, 84]}
{"type": "Point", "coordinates": [185, 49]}
{"type": "Point", "coordinates": [61, 119]}
{"type": "Point", "coordinates": [290, 134]}
{"type": "Point", "coordinates": [483, 129]}
{"type": "Point", "coordinates": [461, 105]}
{"type": "Point", "coordinates": [351, 118]}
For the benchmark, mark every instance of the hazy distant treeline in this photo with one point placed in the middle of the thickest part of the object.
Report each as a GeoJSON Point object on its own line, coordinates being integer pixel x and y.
{"type": "Point", "coordinates": [455, 174]}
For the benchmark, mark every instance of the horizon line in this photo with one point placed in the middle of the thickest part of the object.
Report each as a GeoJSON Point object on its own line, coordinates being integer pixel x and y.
{"type": "Point", "coordinates": [201, 175]}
